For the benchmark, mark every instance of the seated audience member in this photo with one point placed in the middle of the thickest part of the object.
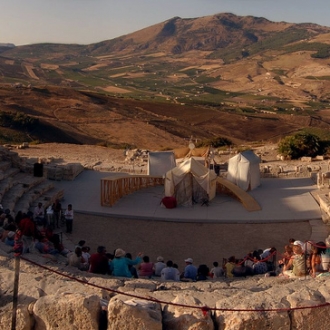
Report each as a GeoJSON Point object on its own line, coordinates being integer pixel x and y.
{"type": "Point", "coordinates": [8, 226]}
{"type": "Point", "coordinates": [286, 256]}
{"type": "Point", "coordinates": [85, 253]}
{"type": "Point", "coordinates": [2, 218]}
{"type": "Point", "coordinates": [269, 257]}
{"type": "Point", "coordinates": [119, 265]}
{"type": "Point", "coordinates": [44, 245]}
{"type": "Point", "coordinates": [239, 269]}
{"type": "Point", "coordinates": [159, 265]}
{"type": "Point", "coordinates": [291, 241]}
{"type": "Point", "coordinates": [316, 259]}
{"type": "Point", "coordinates": [229, 266]}
{"type": "Point", "coordinates": [325, 257]}
{"type": "Point", "coordinates": [216, 271]}
{"type": "Point", "coordinates": [131, 268]}
{"type": "Point", "coordinates": [202, 273]}
{"type": "Point", "coordinates": [169, 273]}
{"type": "Point", "coordinates": [81, 244]}
{"type": "Point", "coordinates": [190, 271]}
{"type": "Point", "coordinates": [76, 260]}
{"type": "Point", "coordinates": [18, 217]}
{"type": "Point", "coordinates": [39, 215]}
{"type": "Point", "coordinates": [98, 262]}
{"type": "Point", "coordinates": [10, 238]}
{"type": "Point", "coordinates": [146, 268]}
{"type": "Point", "coordinates": [259, 267]}
{"type": "Point", "coordinates": [297, 262]}
{"type": "Point", "coordinates": [248, 263]}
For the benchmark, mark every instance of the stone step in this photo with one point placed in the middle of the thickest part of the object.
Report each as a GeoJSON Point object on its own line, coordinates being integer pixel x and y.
{"type": "Point", "coordinates": [5, 185]}
{"type": "Point", "coordinates": [9, 173]}
{"type": "Point", "coordinates": [48, 198]}
{"type": "Point", "coordinates": [29, 198]}
{"type": "Point", "coordinates": [11, 177]}
{"type": "Point", "coordinates": [12, 196]}
{"type": "Point", "coordinates": [31, 181]}
{"type": "Point", "coordinates": [21, 184]}
{"type": "Point", "coordinates": [5, 165]}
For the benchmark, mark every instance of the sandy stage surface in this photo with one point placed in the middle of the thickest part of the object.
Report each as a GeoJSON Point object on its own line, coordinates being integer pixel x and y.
{"type": "Point", "coordinates": [204, 243]}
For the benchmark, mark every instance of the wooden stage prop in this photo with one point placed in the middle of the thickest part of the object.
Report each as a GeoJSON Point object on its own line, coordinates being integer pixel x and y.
{"type": "Point", "coordinates": [114, 188]}
{"type": "Point", "coordinates": [247, 200]}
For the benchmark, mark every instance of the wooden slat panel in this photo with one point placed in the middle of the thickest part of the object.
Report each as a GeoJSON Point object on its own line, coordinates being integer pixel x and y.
{"type": "Point", "coordinates": [247, 200]}
{"type": "Point", "coordinates": [114, 188]}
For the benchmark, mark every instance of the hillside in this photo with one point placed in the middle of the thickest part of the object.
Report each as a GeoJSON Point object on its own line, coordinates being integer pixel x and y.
{"type": "Point", "coordinates": [56, 114]}
{"type": "Point", "coordinates": [193, 60]}
{"type": "Point", "coordinates": [244, 78]}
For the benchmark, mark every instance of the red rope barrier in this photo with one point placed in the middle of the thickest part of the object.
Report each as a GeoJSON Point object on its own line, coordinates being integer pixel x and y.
{"type": "Point", "coordinates": [204, 309]}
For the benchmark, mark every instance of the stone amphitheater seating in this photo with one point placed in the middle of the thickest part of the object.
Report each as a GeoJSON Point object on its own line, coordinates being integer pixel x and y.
{"type": "Point", "coordinates": [21, 191]}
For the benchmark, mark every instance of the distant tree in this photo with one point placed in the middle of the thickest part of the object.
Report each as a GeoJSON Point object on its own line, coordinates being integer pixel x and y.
{"type": "Point", "coordinates": [299, 145]}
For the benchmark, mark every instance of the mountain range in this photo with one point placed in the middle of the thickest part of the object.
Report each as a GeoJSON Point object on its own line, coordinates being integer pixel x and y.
{"type": "Point", "coordinates": [246, 66]}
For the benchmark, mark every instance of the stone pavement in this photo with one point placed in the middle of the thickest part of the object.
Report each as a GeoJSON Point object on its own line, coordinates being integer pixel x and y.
{"type": "Point", "coordinates": [281, 200]}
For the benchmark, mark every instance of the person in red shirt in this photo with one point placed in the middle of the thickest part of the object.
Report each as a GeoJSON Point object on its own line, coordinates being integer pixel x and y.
{"type": "Point", "coordinates": [28, 231]}
{"type": "Point", "coordinates": [146, 268]}
{"type": "Point", "coordinates": [99, 261]}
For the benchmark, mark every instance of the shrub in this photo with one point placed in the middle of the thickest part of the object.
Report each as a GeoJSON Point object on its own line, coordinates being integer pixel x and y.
{"type": "Point", "coordinates": [215, 142]}
{"type": "Point", "coordinates": [18, 120]}
{"type": "Point", "coordinates": [299, 145]}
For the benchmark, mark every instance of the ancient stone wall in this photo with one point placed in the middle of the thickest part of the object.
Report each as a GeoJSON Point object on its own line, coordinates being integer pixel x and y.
{"type": "Point", "coordinates": [48, 300]}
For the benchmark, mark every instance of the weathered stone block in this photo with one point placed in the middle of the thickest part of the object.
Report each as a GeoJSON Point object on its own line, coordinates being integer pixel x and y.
{"type": "Point", "coordinates": [67, 311]}
{"type": "Point", "coordinates": [24, 320]}
{"type": "Point", "coordinates": [185, 318]}
{"type": "Point", "coordinates": [134, 314]}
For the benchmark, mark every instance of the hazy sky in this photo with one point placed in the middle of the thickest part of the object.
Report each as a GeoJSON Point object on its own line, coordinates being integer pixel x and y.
{"type": "Point", "coordinates": [89, 21]}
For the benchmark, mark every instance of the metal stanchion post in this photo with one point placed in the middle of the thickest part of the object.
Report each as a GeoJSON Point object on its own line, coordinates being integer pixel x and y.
{"type": "Point", "coordinates": [15, 294]}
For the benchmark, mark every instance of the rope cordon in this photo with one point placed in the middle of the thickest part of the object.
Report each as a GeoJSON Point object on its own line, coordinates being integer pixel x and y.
{"type": "Point", "coordinates": [204, 309]}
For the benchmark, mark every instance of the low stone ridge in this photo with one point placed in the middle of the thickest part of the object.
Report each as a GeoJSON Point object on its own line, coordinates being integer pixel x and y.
{"type": "Point", "coordinates": [48, 300]}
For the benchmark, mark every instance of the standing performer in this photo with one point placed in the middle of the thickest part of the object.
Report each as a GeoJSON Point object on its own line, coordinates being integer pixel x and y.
{"type": "Point", "coordinates": [69, 218]}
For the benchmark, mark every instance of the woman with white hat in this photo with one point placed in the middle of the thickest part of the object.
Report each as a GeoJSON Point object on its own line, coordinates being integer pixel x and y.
{"type": "Point", "coordinates": [297, 261]}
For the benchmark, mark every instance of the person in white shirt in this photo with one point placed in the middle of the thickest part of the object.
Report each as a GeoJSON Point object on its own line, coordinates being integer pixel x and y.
{"type": "Point", "coordinates": [170, 273]}
{"type": "Point", "coordinates": [217, 271]}
{"type": "Point", "coordinates": [68, 214]}
{"type": "Point", "coordinates": [85, 253]}
{"type": "Point", "coordinates": [159, 266]}
{"type": "Point", "coordinates": [39, 214]}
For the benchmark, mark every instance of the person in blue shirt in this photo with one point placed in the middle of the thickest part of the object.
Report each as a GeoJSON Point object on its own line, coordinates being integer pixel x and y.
{"type": "Point", "coordinates": [119, 266]}
{"type": "Point", "coordinates": [190, 271]}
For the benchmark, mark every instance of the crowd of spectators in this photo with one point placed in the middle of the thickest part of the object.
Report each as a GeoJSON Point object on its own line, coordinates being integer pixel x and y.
{"type": "Point", "coordinates": [298, 259]}
{"type": "Point", "coordinates": [33, 232]}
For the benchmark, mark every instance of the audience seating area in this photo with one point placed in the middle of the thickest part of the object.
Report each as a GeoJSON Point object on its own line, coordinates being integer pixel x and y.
{"type": "Point", "coordinates": [20, 190]}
